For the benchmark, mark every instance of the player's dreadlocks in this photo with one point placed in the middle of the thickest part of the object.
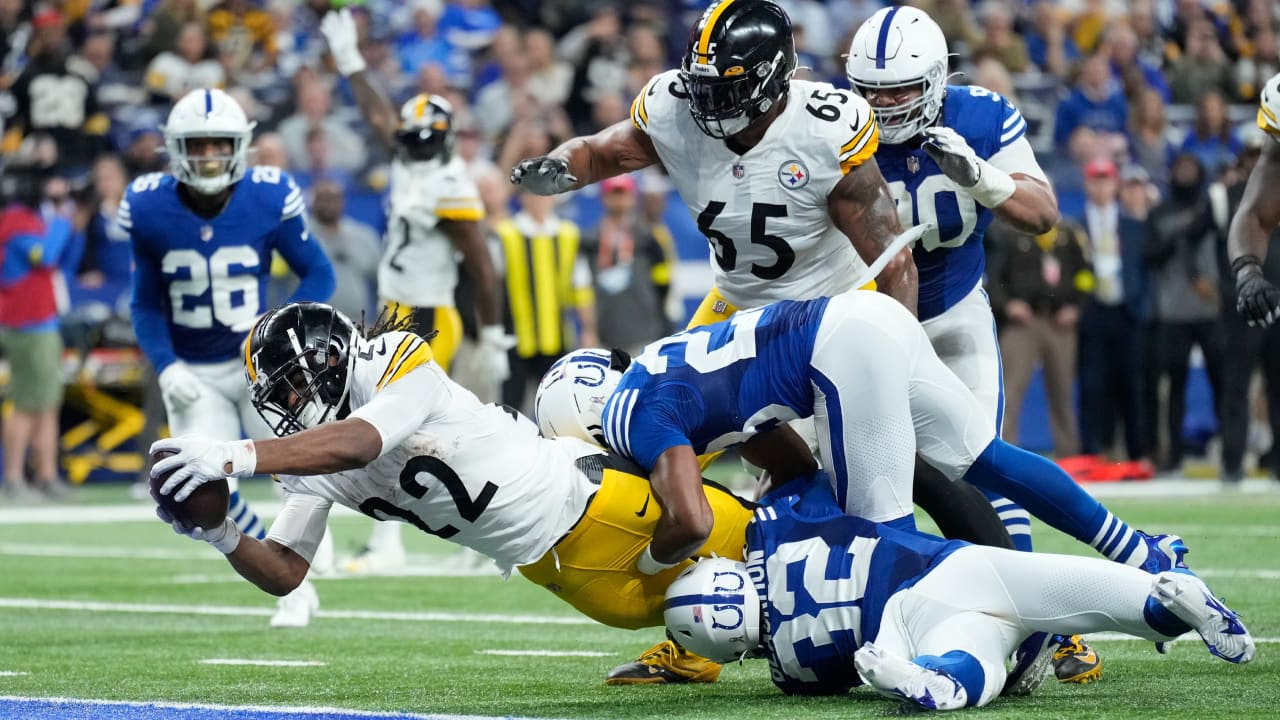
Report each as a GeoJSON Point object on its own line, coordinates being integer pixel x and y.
{"type": "Point", "coordinates": [389, 321]}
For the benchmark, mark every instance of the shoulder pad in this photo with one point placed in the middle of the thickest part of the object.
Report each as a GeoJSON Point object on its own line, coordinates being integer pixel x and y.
{"type": "Point", "coordinates": [841, 118]}
{"type": "Point", "coordinates": [389, 357]}
{"type": "Point", "coordinates": [658, 99]}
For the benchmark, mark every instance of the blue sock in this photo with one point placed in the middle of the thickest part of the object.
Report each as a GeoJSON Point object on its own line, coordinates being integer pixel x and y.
{"type": "Point", "coordinates": [1016, 519]}
{"type": "Point", "coordinates": [246, 519]}
{"type": "Point", "coordinates": [962, 666]}
{"type": "Point", "coordinates": [1160, 619]}
{"type": "Point", "coordinates": [1049, 493]}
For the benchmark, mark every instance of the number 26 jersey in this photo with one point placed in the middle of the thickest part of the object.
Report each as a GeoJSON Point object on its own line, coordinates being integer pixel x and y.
{"type": "Point", "coordinates": [764, 212]}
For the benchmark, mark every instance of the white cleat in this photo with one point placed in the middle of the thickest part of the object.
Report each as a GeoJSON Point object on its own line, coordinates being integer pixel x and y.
{"type": "Point", "coordinates": [1191, 600]}
{"type": "Point", "coordinates": [376, 560]}
{"type": "Point", "coordinates": [296, 608]}
{"type": "Point", "coordinates": [900, 679]}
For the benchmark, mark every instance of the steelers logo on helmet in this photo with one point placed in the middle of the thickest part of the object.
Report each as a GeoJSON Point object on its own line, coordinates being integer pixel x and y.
{"type": "Point", "coordinates": [426, 129]}
{"type": "Point", "coordinates": [898, 62]}
{"type": "Point", "coordinates": [738, 64]}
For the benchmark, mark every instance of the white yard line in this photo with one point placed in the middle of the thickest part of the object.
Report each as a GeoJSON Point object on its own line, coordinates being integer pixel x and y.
{"type": "Point", "coordinates": [546, 653]}
{"type": "Point", "coordinates": [13, 673]}
{"type": "Point", "coordinates": [263, 663]}
{"type": "Point", "coordinates": [158, 609]}
{"type": "Point", "coordinates": [273, 709]}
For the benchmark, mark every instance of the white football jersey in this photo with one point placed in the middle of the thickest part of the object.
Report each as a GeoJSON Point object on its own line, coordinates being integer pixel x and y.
{"type": "Point", "coordinates": [419, 266]}
{"type": "Point", "coordinates": [1269, 107]}
{"type": "Point", "coordinates": [475, 474]}
{"type": "Point", "coordinates": [765, 212]}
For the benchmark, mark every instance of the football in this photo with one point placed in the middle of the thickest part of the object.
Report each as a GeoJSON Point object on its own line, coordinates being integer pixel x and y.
{"type": "Point", "coordinates": [206, 507]}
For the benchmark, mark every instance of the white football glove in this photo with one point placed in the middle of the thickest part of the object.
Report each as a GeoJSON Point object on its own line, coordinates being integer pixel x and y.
{"type": "Point", "coordinates": [339, 30]}
{"type": "Point", "coordinates": [543, 175]}
{"type": "Point", "coordinates": [225, 539]}
{"type": "Point", "coordinates": [199, 461]}
{"type": "Point", "coordinates": [649, 566]}
{"type": "Point", "coordinates": [180, 385]}
{"type": "Point", "coordinates": [494, 344]}
{"type": "Point", "coordinates": [984, 182]}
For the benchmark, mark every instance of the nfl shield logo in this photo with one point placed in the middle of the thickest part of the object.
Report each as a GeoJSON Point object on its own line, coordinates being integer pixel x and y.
{"type": "Point", "coordinates": [206, 233]}
{"type": "Point", "coordinates": [913, 164]}
{"type": "Point", "coordinates": [738, 171]}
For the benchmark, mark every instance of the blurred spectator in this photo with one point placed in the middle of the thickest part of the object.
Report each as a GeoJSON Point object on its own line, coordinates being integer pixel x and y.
{"type": "Point", "coordinates": [144, 151]}
{"type": "Point", "coordinates": [549, 77]}
{"type": "Point", "coordinates": [955, 17]}
{"type": "Point", "coordinates": [598, 52]}
{"type": "Point", "coordinates": [1182, 256]}
{"type": "Point", "coordinates": [629, 270]}
{"type": "Point", "coordinates": [496, 102]}
{"type": "Point", "coordinates": [1096, 101]}
{"type": "Point", "coordinates": [991, 74]}
{"type": "Point", "coordinates": [1203, 67]}
{"type": "Point", "coordinates": [998, 39]}
{"type": "Point", "coordinates": [1114, 318]}
{"type": "Point", "coordinates": [268, 149]}
{"type": "Point", "coordinates": [1244, 347]}
{"type": "Point", "coordinates": [96, 63]}
{"type": "Point", "coordinates": [1152, 45]}
{"type": "Point", "coordinates": [33, 240]}
{"type": "Point", "coordinates": [174, 73]}
{"type": "Point", "coordinates": [53, 100]}
{"type": "Point", "coordinates": [345, 149]}
{"type": "Point", "coordinates": [245, 37]}
{"type": "Point", "coordinates": [15, 32]}
{"type": "Point", "coordinates": [1149, 142]}
{"type": "Point", "coordinates": [1212, 139]}
{"type": "Point", "coordinates": [1258, 64]}
{"type": "Point", "coordinates": [162, 27]}
{"type": "Point", "coordinates": [1049, 46]}
{"type": "Point", "coordinates": [469, 24]}
{"type": "Point", "coordinates": [424, 44]}
{"type": "Point", "coordinates": [106, 267]}
{"type": "Point", "coordinates": [1089, 24]}
{"type": "Point", "coordinates": [353, 247]}
{"type": "Point", "coordinates": [1134, 72]}
{"type": "Point", "coordinates": [548, 279]}
{"type": "Point", "coordinates": [647, 57]}
{"type": "Point", "coordinates": [1036, 286]}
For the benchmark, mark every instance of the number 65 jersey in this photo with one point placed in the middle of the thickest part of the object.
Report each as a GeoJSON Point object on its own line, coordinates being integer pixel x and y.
{"type": "Point", "coordinates": [765, 212]}
{"type": "Point", "coordinates": [475, 474]}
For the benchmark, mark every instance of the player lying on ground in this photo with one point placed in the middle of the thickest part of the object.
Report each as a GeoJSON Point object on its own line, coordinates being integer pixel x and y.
{"type": "Point", "coordinates": [921, 619]}
{"type": "Point", "coordinates": [373, 423]}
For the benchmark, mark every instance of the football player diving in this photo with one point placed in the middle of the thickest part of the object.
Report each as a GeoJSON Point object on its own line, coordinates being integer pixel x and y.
{"type": "Point", "coordinates": [435, 214]}
{"type": "Point", "coordinates": [834, 601]}
{"type": "Point", "coordinates": [956, 157]}
{"type": "Point", "coordinates": [202, 238]}
{"type": "Point", "coordinates": [1257, 300]}
{"type": "Point", "coordinates": [372, 422]}
{"type": "Point", "coordinates": [775, 172]}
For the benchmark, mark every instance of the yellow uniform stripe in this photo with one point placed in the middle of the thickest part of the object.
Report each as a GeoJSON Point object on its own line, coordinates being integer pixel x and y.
{"type": "Point", "coordinates": [248, 359]}
{"type": "Point", "coordinates": [418, 356]}
{"type": "Point", "coordinates": [847, 147]}
{"type": "Point", "coordinates": [471, 213]}
{"type": "Point", "coordinates": [704, 42]}
{"type": "Point", "coordinates": [868, 149]}
{"type": "Point", "coordinates": [1268, 121]}
{"type": "Point", "coordinates": [396, 358]}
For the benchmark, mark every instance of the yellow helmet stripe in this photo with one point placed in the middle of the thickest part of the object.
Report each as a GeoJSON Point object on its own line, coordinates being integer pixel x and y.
{"type": "Point", "coordinates": [704, 41]}
{"type": "Point", "coordinates": [1263, 110]}
{"type": "Point", "coordinates": [421, 107]}
{"type": "Point", "coordinates": [248, 359]}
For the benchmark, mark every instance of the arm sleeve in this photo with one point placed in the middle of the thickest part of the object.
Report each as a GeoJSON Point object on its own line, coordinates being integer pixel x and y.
{"type": "Point", "coordinates": [307, 260]}
{"type": "Point", "coordinates": [148, 309]}
{"type": "Point", "coordinates": [401, 407]}
{"type": "Point", "coordinates": [301, 523]}
{"type": "Point", "coordinates": [1018, 157]}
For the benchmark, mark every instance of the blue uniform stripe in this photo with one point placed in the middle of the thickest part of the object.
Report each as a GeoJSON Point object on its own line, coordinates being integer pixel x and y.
{"type": "Point", "coordinates": [687, 600]}
{"type": "Point", "coordinates": [836, 421]}
{"type": "Point", "coordinates": [208, 102]}
{"type": "Point", "coordinates": [882, 43]}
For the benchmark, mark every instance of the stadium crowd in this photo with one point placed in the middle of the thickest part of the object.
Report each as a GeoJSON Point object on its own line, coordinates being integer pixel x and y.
{"type": "Point", "coordinates": [1141, 112]}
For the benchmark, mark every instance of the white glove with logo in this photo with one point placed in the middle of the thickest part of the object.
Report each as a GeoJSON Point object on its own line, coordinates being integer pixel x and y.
{"type": "Point", "coordinates": [543, 175]}
{"type": "Point", "coordinates": [199, 461]}
{"type": "Point", "coordinates": [339, 30]}
{"type": "Point", "coordinates": [179, 385]}
{"type": "Point", "coordinates": [225, 539]}
{"type": "Point", "coordinates": [494, 344]}
{"type": "Point", "coordinates": [984, 182]}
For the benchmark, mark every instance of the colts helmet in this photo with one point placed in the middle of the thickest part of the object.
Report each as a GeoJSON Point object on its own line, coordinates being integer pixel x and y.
{"type": "Point", "coordinates": [713, 609]}
{"type": "Point", "coordinates": [738, 64]}
{"type": "Point", "coordinates": [426, 129]}
{"type": "Point", "coordinates": [571, 396]}
{"type": "Point", "coordinates": [900, 47]}
{"type": "Point", "coordinates": [299, 360]}
{"type": "Point", "coordinates": [207, 113]}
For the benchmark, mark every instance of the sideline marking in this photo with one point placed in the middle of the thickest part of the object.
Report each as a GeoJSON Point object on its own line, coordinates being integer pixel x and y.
{"type": "Point", "coordinates": [547, 653]}
{"type": "Point", "coordinates": [13, 673]}
{"type": "Point", "coordinates": [264, 663]}
{"type": "Point", "coordinates": [270, 709]}
{"type": "Point", "coordinates": [428, 616]}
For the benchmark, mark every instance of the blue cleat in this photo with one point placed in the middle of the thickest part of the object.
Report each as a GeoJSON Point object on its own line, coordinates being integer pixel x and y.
{"type": "Point", "coordinates": [1165, 553]}
{"type": "Point", "coordinates": [1031, 663]}
{"type": "Point", "coordinates": [1191, 600]}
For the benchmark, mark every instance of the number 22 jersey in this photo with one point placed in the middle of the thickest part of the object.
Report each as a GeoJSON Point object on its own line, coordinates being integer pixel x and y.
{"type": "Point", "coordinates": [765, 212]}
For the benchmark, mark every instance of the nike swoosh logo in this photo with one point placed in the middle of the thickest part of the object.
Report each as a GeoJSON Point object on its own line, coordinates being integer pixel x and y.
{"type": "Point", "coordinates": [645, 507]}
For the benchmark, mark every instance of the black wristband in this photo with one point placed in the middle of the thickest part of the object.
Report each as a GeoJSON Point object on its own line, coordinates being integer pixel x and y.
{"type": "Point", "coordinates": [1248, 259]}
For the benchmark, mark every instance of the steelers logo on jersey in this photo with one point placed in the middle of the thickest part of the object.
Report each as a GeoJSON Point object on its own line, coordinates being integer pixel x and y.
{"type": "Point", "coordinates": [793, 175]}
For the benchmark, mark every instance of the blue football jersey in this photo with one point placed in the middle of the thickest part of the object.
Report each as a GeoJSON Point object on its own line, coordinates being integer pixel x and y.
{"type": "Point", "coordinates": [205, 279]}
{"type": "Point", "coordinates": [824, 578]}
{"type": "Point", "coordinates": [950, 259]}
{"type": "Point", "coordinates": [717, 385]}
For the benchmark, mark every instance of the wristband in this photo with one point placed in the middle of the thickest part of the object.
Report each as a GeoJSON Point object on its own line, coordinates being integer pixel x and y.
{"type": "Point", "coordinates": [224, 539]}
{"type": "Point", "coordinates": [1245, 261]}
{"type": "Point", "coordinates": [994, 185]}
{"type": "Point", "coordinates": [647, 565]}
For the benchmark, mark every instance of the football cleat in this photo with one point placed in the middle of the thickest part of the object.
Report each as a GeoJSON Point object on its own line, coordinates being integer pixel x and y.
{"type": "Point", "coordinates": [1030, 665]}
{"type": "Point", "coordinates": [376, 560]}
{"type": "Point", "coordinates": [1191, 600]}
{"type": "Point", "coordinates": [665, 662]}
{"type": "Point", "coordinates": [296, 608]}
{"type": "Point", "coordinates": [1164, 553]}
{"type": "Point", "coordinates": [1075, 662]}
{"type": "Point", "coordinates": [900, 679]}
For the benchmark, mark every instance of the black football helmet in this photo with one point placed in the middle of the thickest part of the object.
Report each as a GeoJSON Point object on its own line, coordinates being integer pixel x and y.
{"type": "Point", "coordinates": [426, 129]}
{"type": "Point", "coordinates": [299, 360]}
{"type": "Point", "coordinates": [738, 64]}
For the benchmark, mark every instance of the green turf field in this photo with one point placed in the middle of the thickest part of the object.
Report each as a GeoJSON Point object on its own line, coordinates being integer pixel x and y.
{"type": "Point", "coordinates": [98, 610]}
